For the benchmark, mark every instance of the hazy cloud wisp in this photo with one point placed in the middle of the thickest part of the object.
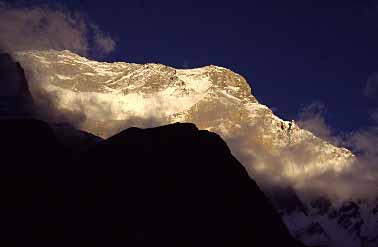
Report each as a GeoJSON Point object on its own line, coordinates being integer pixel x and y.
{"type": "Point", "coordinates": [360, 180]}
{"type": "Point", "coordinates": [371, 88]}
{"type": "Point", "coordinates": [312, 118]}
{"type": "Point", "coordinates": [43, 28]}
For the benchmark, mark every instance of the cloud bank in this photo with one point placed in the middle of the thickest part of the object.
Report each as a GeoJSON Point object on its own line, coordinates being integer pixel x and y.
{"type": "Point", "coordinates": [312, 118]}
{"type": "Point", "coordinates": [360, 180]}
{"type": "Point", "coordinates": [46, 27]}
{"type": "Point", "coordinates": [295, 165]}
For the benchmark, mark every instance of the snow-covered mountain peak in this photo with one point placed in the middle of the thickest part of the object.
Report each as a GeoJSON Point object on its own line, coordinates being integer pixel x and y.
{"type": "Point", "coordinates": [113, 96]}
{"type": "Point", "coordinates": [104, 98]}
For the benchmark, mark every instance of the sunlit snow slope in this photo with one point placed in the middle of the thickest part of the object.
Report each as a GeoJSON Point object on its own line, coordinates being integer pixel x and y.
{"type": "Point", "coordinates": [103, 98]}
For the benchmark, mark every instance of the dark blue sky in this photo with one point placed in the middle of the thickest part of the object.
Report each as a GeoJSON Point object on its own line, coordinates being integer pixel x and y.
{"type": "Point", "coordinates": [292, 52]}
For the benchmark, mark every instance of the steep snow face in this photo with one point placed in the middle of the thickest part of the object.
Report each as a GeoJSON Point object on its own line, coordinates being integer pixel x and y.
{"type": "Point", "coordinates": [351, 224]}
{"type": "Point", "coordinates": [112, 96]}
{"type": "Point", "coordinates": [105, 92]}
{"type": "Point", "coordinates": [320, 222]}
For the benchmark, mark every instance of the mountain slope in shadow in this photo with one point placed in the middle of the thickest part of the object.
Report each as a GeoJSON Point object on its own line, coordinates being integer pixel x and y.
{"type": "Point", "coordinates": [168, 186]}
{"type": "Point", "coordinates": [180, 187]}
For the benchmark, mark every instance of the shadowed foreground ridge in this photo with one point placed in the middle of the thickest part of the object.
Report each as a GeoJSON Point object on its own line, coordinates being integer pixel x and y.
{"type": "Point", "coordinates": [167, 186]}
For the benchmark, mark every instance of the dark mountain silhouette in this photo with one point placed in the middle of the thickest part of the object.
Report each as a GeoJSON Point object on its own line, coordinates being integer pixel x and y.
{"type": "Point", "coordinates": [74, 141]}
{"type": "Point", "coordinates": [31, 162]}
{"type": "Point", "coordinates": [181, 187]}
{"type": "Point", "coordinates": [168, 186]}
{"type": "Point", "coordinates": [15, 96]}
{"type": "Point", "coordinates": [284, 199]}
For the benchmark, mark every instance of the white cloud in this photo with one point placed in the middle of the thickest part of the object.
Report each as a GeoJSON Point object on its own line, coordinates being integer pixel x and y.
{"type": "Point", "coordinates": [371, 88]}
{"type": "Point", "coordinates": [360, 179]}
{"type": "Point", "coordinates": [43, 28]}
{"type": "Point", "coordinates": [312, 118]}
{"type": "Point", "coordinates": [103, 43]}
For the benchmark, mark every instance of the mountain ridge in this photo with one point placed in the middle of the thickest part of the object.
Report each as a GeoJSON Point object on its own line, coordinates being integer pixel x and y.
{"type": "Point", "coordinates": [109, 97]}
{"type": "Point", "coordinates": [114, 193]}
{"type": "Point", "coordinates": [212, 97]}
